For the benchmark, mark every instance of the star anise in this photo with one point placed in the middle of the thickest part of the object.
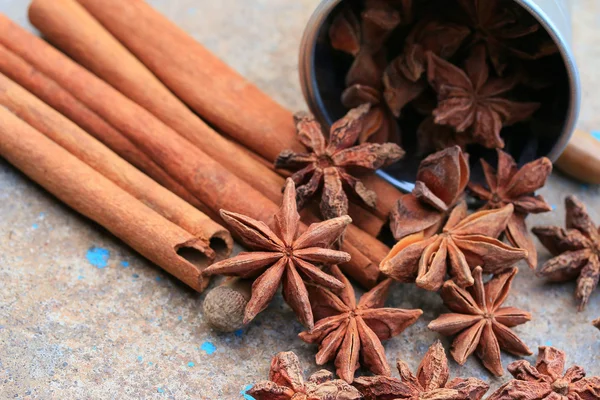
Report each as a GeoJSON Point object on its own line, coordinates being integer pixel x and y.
{"type": "Point", "coordinates": [346, 330]}
{"type": "Point", "coordinates": [286, 382]}
{"type": "Point", "coordinates": [470, 101]}
{"type": "Point", "coordinates": [441, 180]}
{"type": "Point", "coordinates": [282, 255]}
{"type": "Point", "coordinates": [465, 242]}
{"type": "Point", "coordinates": [480, 321]}
{"type": "Point", "coordinates": [596, 323]}
{"type": "Point", "coordinates": [433, 137]}
{"type": "Point", "coordinates": [547, 380]}
{"type": "Point", "coordinates": [431, 382]}
{"type": "Point", "coordinates": [576, 250]}
{"type": "Point", "coordinates": [502, 29]}
{"type": "Point", "coordinates": [328, 165]}
{"type": "Point", "coordinates": [511, 185]}
{"type": "Point", "coordinates": [364, 40]}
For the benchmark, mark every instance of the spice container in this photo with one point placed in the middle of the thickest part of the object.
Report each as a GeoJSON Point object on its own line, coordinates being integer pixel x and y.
{"type": "Point", "coordinates": [323, 73]}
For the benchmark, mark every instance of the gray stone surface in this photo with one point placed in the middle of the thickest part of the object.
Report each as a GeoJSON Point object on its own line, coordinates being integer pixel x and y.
{"type": "Point", "coordinates": [74, 326]}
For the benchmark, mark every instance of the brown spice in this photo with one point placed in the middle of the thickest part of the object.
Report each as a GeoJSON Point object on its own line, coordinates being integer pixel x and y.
{"type": "Point", "coordinates": [548, 380]}
{"type": "Point", "coordinates": [576, 250]}
{"type": "Point", "coordinates": [281, 255]}
{"type": "Point", "coordinates": [441, 180]}
{"type": "Point", "coordinates": [431, 382]}
{"type": "Point", "coordinates": [346, 330]}
{"type": "Point", "coordinates": [286, 382]}
{"type": "Point", "coordinates": [465, 242]}
{"type": "Point", "coordinates": [470, 101]}
{"type": "Point", "coordinates": [511, 185]}
{"type": "Point", "coordinates": [596, 323]}
{"type": "Point", "coordinates": [328, 164]}
{"type": "Point", "coordinates": [480, 322]}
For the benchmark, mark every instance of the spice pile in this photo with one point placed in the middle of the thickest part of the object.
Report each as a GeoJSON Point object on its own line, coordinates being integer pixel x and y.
{"type": "Point", "coordinates": [323, 228]}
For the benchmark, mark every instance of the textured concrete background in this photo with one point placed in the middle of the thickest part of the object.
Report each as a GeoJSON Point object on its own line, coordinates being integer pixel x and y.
{"type": "Point", "coordinates": [83, 317]}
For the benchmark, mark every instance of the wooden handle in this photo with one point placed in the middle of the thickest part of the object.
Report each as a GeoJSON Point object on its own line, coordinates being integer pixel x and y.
{"type": "Point", "coordinates": [581, 158]}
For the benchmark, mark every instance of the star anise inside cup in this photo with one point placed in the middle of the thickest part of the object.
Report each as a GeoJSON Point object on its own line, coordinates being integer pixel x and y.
{"type": "Point", "coordinates": [282, 255]}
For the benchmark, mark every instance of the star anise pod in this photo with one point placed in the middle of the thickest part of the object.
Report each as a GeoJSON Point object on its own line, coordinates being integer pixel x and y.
{"type": "Point", "coordinates": [596, 323]}
{"type": "Point", "coordinates": [329, 165]}
{"type": "Point", "coordinates": [511, 185]}
{"type": "Point", "coordinates": [348, 331]}
{"type": "Point", "coordinates": [286, 382]}
{"type": "Point", "coordinates": [431, 382]}
{"type": "Point", "coordinates": [501, 29]}
{"type": "Point", "coordinates": [433, 137]}
{"type": "Point", "coordinates": [282, 255]}
{"type": "Point", "coordinates": [470, 101]}
{"type": "Point", "coordinates": [547, 380]}
{"type": "Point", "coordinates": [465, 242]}
{"type": "Point", "coordinates": [441, 180]}
{"type": "Point", "coordinates": [576, 250]}
{"type": "Point", "coordinates": [480, 322]}
{"type": "Point", "coordinates": [364, 40]}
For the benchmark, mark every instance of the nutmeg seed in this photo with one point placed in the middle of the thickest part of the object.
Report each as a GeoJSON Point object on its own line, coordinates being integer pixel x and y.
{"type": "Point", "coordinates": [224, 306]}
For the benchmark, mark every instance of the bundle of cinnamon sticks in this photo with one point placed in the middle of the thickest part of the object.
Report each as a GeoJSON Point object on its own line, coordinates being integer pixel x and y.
{"type": "Point", "coordinates": [127, 105]}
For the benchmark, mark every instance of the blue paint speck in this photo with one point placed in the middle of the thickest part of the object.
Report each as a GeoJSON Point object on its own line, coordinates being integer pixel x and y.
{"type": "Point", "coordinates": [124, 264]}
{"type": "Point", "coordinates": [98, 257]}
{"type": "Point", "coordinates": [548, 343]}
{"type": "Point", "coordinates": [158, 279]}
{"type": "Point", "coordinates": [245, 394]}
{"type": "Point", "coordinates": [80, 277]}
{"type": "Point", "coordinates": [160, 390]}
{"type": "Point", "coordinates": [191, 364]}
{"type": "Point", "coordinates": [135, 276]}
{"type": "Point", "coordinates": [42, 215]}
{"type": "Point", "coordinates": [585, 186]}
{"type": "Point", "coordinates": [239, 333]}
{"type": "Point", "coordinates": [140, 358]}
{"type": "Point", "coordinates": [179, 318]}
{"type": "Point", "coordinates": [596, 135]}
{"type": "Point", "coordinates": [150, 362]}
{"type": "Point", "coordinates": [553, 206]}
{"type": "Point", "coordinates": [35, 226]}
{"type": "Point", "coordinates": [208, 347]}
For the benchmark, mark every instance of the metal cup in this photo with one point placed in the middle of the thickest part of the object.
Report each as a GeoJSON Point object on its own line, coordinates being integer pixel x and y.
{"type": "Point", "coordinates": [318, 77]}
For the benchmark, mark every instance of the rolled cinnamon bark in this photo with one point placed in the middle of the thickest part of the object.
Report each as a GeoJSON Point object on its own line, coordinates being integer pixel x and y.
{"type": "Point", "coordinates": [240, 109]}
{"type": "Point", "coordinates": [51, 93]}
{"type": "Point", "coordinates": [91, 194]}
{"type": "Point", "coordinates": [206, 179]}
{"type": "Point", "coordinates": [89, 150]}
{"type": "Point", "coordinates": [69, 26]}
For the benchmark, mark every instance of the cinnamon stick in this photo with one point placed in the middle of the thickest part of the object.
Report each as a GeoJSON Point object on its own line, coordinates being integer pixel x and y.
{"type": "Point", "coordinates": [91, 194]}
{"type": "Point", "coordinates": [240, 109]}
{"type": "Point", "coordinates": [69, 26]}
{"type": "Point", "coordinates": [89, 150]}
{"type": "Point", "coordinates": [202, 176]}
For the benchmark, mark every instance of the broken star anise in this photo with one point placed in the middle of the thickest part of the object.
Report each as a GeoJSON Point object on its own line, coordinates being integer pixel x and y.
{"type": "Point", "coordinates": [329, 165]}
{"type": "Point", "coordinates": [511, 185]}
{"type": "Point", "coordinates": [479, 321]}
{"type": "Point", "coordinates": [286, 382]}
{"type": "Point", "coordinates": [548, 380]}
{"type": "Point", "coordinates": [470, 101]}
{"type": "Point", "coordinates": [431, 382]}
{"type": "Point", "coordinates": [349, 331]}
{"type": "Point", "coordinates": [576, 250]}
{"type": "Point", "coordinates": [465, 242]}
{"type": "Point", "coordinates": [441, 181]}
{"type": "Point", "coordinates": [282, 255]}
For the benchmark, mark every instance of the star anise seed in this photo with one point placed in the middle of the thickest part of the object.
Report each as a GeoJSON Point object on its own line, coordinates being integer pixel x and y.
{"type": "Point", "coordinates": [286, 382]}
{"type": "Point", "coordinates": [576, 250]}
{"type": "Point", "coordinates": [282, 255]}
{"type": "Point", "coordinates": [465, 242]}
{"type": "Point", "coordinates": [441, 180]}
{"type": "Point", "coordinates": [470, 101]}
{"type": "Point", "coordinates": [479, 321]}
{"type": "Point", "coordinates": [328, 164]}
{"type": "Point", "coordinates": [431, 382]}
{"type": "Point", "coordinates": [346, 330]}
{"type": "Point", "coordinates": [511, 185]}
{"type": "Point", "coordinates": [548, 380]}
